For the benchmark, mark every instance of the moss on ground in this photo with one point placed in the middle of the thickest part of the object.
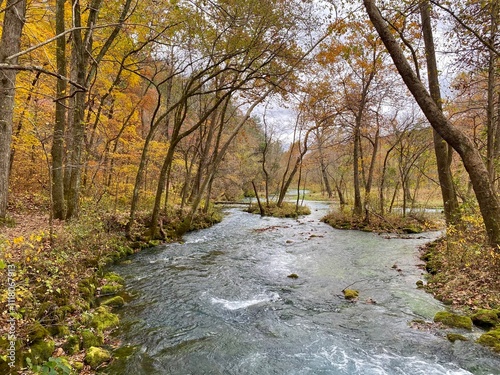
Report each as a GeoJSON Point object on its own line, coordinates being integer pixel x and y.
{"type": "Point", "coordinates": [103, 319]}
{"type": "Point", "coordinates": [491, 339]}
{"type": "Point", "coordinates": [456, 337]}
{"type": "Point", "coordinates": [486, 318]}
{"type": "Point", "coordinates": [97, 356]}
{"type": "Point", "coordinates": [453, 320]}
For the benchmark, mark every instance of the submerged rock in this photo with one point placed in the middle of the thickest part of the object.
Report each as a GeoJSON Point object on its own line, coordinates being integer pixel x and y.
{"type": "Point", "coordinates": [453, 320]}
{"type": "Point", "coordinates": [350, 294]}
{"type": "Point", "coordinates": [456, 337]}
{"type": "Point", "coordinates": [115, 301]}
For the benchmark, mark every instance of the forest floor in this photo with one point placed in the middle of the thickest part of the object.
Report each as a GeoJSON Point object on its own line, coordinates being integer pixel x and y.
{"type": "Point", "coordinates": [463, 271]}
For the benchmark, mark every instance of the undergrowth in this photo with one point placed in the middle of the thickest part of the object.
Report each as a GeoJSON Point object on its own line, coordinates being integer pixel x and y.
{"type": "Point", "coordinates": [463, 270]}
{"type": "Point", "coordinates": [289, 210]}
{"type": "Point", "coordinates": [389, 223]}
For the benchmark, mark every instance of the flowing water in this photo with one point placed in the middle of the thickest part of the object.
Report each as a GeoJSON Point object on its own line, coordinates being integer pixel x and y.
{"type": "Point", "coordinates": [221, 303]}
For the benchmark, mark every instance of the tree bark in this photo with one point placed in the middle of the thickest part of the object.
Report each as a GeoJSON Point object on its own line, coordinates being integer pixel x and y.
{"type": "Point", "coordinates": [324, 166]}
{"type": "Point", "coordinates": [57, 151]}
{"type": "Point", "coordinates": [369, 180]}
{"type": "Point", "coordinates": [10, 43]}
{"type": "Point", "coordinates": [442, 150]}
{"type": "Point", "coordinates": [76, 114]}
{"type": "Point", "coordinates": [487, 199]}
{"type": "Point", "coordinates": [358, 208]}
{"type": "Point", "coordinates": [491, 126]}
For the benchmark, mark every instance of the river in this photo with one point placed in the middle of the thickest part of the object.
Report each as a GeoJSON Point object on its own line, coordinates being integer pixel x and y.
{"type": "Point", "coordinates": [221, 302]}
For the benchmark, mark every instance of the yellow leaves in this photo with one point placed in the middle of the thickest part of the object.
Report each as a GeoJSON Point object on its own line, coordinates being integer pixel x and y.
{"type": "Point", "coordinates": [18, 240]}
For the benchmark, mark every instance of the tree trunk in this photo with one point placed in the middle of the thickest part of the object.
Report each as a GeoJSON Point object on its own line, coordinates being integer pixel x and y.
{"type": "Point", "coordinates": [262, 212]}
{"type": "Point", "coordinates": [358, 208]}
{"type": "Point", "coordinates": [324, 172]}
{"type": "Point", "coordinates": [442, 150]}
{"type": "Point", "coordinates": [492, 130]}
{"type": "Point", "coordinates": [77, 109]}
{"type": "Point", "coordinates": [369, 180]}
{"type": "Point", "coordinates": [82, 45]}
{"type": "Point", "coordinates": [57, 151]}
{"type": "Point", "coordinates": [10, 43]}
{"type": "Point", "coordinates": [338, 187]}
{"type": "Point", "coordinates": [478, 173]}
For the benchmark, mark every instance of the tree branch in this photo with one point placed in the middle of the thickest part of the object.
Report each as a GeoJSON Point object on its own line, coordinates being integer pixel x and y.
{"type": "Point", "coordinates": [50, 40]}
{"type": "Point", "coordinates": [483, 41]}
{"type": "Point", "coordinates": [42, 70]}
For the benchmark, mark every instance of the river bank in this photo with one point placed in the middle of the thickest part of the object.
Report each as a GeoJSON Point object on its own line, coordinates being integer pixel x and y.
{"type": "Point", "coordinates": [60, 298]}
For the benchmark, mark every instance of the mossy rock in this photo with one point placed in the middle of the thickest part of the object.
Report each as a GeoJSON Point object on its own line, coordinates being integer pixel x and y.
{"type": "Point", "coordinates": [63, 311]}
{"type": "Point", "coordinates": [453, 320]}
{"type": "Point", "coordinates": [350, 294]}
{"type": "Point", "coordinates": [456, 337]}
{"type": "Point", "coordinates": [9, 355]}
{"type": "Point", "coordinates": [37, 332]}
{"type": "Point", "coordinates": [420, 284]}
{"type": "Point", "coordinates": [103, 319]}
{"type": "Point", "coordinates": [87, 293]}
{"type": "Point", "coordinates": [110, 289]}
{"type": "Point", "coordinates": [90, 338]}
{"type": "Point", "coordinates": [82, 305]}
{"type": "Point", "coordinates": [490, 339]}
{"type": "Point", "coordinates": [124, 352]}
{"type": "Point", "coordinates": [293, 276]}
{"type": "Point", "coordinates": [432, 267]}
{"type": "Point", "coordinates": [60, 330]}
{"type": "Point", "coordinates": [45, 309]}
{"type": "Point", "coordinates": [115, 301]}
{"type": "Point", "coordinates": [97, 356]}
{"type": "Point", "coordinates": [78, 366]}
{"type": "Point", "coordinates": [40, 351]}
{"type": "Point", "coordinates": [426, 256]}
{"type": "Point", "coordinates": [86, 318]}
{"type": "Point", "coordinates": [4, 366]}
{"type": "Point", "coordinates": [412, 229]}
{"type": "Point", "coordinates": [89, 282]}
{"type": "Point", "coordinates": [485, 318]}
{"type": "Point", "coordinates": [72, 345]}
{"type": "Point", "coordinates": [114, 277]}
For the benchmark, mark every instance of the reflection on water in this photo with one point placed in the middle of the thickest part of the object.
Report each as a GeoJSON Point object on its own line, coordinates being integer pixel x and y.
{"type": "Point", "coordinates": [221, 303]}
